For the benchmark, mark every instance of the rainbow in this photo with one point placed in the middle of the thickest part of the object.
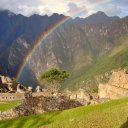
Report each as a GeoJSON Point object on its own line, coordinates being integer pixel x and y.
{"type": "Point", "coordinates": [37, 44]}
{"type": "Point", "coordinates": [47, 33]}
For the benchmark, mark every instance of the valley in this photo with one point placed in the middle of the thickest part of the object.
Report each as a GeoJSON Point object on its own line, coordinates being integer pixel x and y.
{"type": "Point", "coordinates": [65, 66]}
{"type": "Point", "coordinates": [78, 46]}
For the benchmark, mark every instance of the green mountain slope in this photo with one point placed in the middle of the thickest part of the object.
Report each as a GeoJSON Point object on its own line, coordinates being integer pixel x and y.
{"type": "Point", "coordinates": [111, 114]}
{"type": "Point", "coordinates": [116, 58]}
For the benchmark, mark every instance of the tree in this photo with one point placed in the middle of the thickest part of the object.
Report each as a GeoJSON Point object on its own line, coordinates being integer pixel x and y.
{"type": "Point", "coordinates": [54, 77]}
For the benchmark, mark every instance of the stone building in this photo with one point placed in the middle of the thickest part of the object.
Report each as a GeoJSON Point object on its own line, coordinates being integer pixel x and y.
{"type": "Point", "coordinates": [12, 90]}
{"type": "Point", "coordinates": [80, 95]}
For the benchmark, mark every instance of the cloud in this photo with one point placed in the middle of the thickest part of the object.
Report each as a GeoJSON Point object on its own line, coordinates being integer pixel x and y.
{"type": "Point", "coordinates": [25, 7]}
{"type": "Point", "coordinates": [121, 2]}
{"type": "Point", "coordinates": [67, 7]}
{"type": "Point", "coordinates": [111, 9]}
{"type": "Point", "coordinates": [48, 11]}
{"type": "Point", "coordinates": [75, 10]}
{"type": "Point", "coordinates": [28, 7]}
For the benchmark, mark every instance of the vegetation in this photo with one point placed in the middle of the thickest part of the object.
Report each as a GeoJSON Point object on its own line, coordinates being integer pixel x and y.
{"type": "Point", "coordinates": [6, 105]}
{"type": "Point", "coordinates": [116, 58]}
{"type": "Point", "coordinates": [111, 114]}
{"type": "Point", "coordinates": [53, 77]}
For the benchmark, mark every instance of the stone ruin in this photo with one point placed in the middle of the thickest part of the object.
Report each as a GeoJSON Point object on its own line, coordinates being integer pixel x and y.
{"type": "Point", "coordinates": [41, 100]}
{"type": "Point", "coordinates": [79, 95]}
{"type": "Point", "coordinates": [44, 100]}
{"type": "Point", "coordinates": [39, 105]}
{"type": "Point", "coordinates": [12, 90]}
{"type": "Point", "coordinates": [9, 85]}
{"type": "Point", "coordinates": [117, 87]}
{"type": "Point", "coordinates": [83, 97]}
{"type": "Point", "coordinates": [11, 96]}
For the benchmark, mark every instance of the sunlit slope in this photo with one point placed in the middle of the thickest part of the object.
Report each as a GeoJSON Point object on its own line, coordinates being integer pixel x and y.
{"type": "Point", "coordinates": [116, 58]}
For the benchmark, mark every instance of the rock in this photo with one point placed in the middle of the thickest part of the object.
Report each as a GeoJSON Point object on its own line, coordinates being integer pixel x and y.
{"type": "Point", "coordinates": [19, 90]}
{"type": "Point", "coordinates": [80, 95]}
{"type": "Point", "coordinates": [29, 88]}
{"type": "Point", "coordinates": [38, 89]}
{"type": "Point", "coordinates": [117, 87]}
{"type": "Point", "coordinates": [3, 80]}
{"type": "Point", "coordinates": [119, 79]}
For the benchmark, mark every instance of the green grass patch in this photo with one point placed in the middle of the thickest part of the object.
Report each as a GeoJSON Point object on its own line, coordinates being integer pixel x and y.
{"type": "Point", "coordinates": [111, 114]}
{"type": "Point", "coordinates": [6, 105]}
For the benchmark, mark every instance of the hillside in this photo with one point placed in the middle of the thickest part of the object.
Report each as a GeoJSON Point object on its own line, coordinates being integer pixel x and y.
{"type": "Point", "coordinates": [111, 114]}
{"type": "Point", "coordinates": [116, 58]}
{"type": "Point", "coordinates": [75, 48]}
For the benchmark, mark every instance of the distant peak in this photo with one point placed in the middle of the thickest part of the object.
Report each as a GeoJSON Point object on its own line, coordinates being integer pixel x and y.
{"type": "Point", "coordinates": [35, 15]}
{"type": "Point", "coordinates": [56, 14]}
{"type": "Point", "coordinates": [100, 13]}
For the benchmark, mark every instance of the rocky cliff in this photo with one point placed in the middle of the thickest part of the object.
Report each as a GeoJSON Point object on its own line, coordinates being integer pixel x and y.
{"type": "Point", "coordinates": [72, 47]}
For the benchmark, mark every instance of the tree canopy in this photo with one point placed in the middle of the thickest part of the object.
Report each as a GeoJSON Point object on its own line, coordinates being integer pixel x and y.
{"type": "Point", "coordinates": [54, 76]}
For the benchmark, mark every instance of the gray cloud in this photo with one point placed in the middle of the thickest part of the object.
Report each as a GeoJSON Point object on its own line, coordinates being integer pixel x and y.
{"type": "Point", "coordinates": [121, 2]}
{"type": "Point", "coordinates": [67, 7]}
{"type": "Point", "coordinates": [47, 11]}
{"type": "Point", "coordinates": [111, 9]}
{"type": "Point", "coordinates": [74, 9]}
{"type": "Point", "coordinates": [25, 7]}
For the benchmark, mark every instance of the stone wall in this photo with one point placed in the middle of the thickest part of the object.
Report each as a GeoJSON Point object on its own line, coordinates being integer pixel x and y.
{"type": "Point", "coordinates": [11, 96]}
{"type": "Point", "coordinates": [39, 105]}
{"type": "Point", "coordinates": [80, 95]}
{"type": "Point", "coordinates": [37, 94]}
{"type": "Point", "coordinates": [8, 115]}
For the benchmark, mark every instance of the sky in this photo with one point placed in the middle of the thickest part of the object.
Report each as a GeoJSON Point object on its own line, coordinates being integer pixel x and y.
{"type": "Point", "coordinates": [81, 8]}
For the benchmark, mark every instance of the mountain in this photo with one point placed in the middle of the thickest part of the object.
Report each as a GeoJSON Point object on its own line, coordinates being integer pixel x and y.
{"type": "Point", "coordinates": [74, 46]}
{"type": "Point", "coordinates": [17, 35]}
{"type": "Point", "coordinates": [99, 17]}
{"type": "Point", "coordinates": [84, 50]}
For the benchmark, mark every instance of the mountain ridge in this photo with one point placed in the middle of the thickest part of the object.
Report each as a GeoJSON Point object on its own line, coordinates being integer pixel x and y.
{"type": "Point", "coordinates": [72, 46]}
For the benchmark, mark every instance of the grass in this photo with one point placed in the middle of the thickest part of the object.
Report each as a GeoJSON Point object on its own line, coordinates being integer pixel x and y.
{"type": "Point", "coordinates": [111, 114]}
{"type": "Point", "coordinates": [6, 105]}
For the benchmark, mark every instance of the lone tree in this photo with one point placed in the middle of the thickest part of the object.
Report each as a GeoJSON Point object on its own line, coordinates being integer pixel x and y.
{"type": "Point", "coordinates": [54, 77]}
